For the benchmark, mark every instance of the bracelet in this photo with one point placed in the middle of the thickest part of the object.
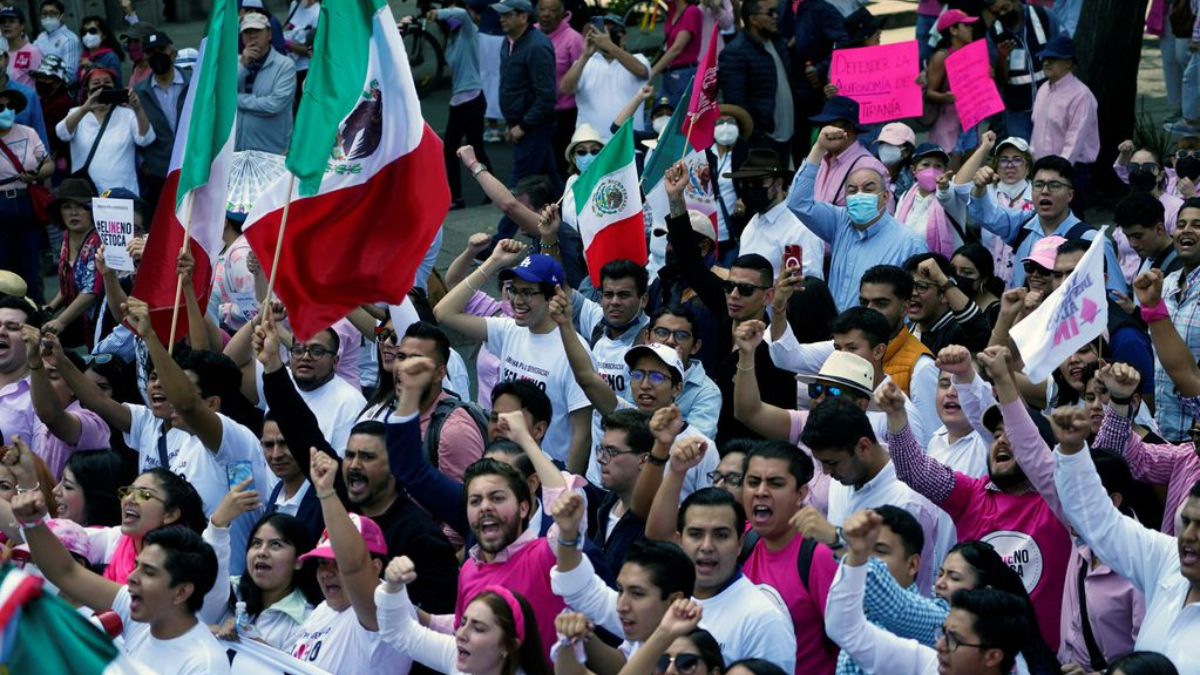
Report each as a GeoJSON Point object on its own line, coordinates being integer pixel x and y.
{"type": "Point", "coordinates": [45, 518]}
{"type": "Point", "coordinates": [545, 245]}
{"type": "Point", "coordinates": [1155, 313]}
{"type": "Point", "coordinates": [36, 486]}
{"type": "Point", "coordinates": [327, 495]}
{"type": "Point", "coordinates": [656, 461]}
{"type": "Point", "coordinates": [1111, 399]}
{"type": "Point", "coordinates": [573, 543]}
{"type": "Point", "coordinates": [744, 370]}
{"type": "Point", "coordinates": [467, 281]}
{"type": "Point", "coordinates": [38, 368]}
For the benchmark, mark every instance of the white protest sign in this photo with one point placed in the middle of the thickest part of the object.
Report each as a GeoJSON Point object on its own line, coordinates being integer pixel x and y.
{"type": "Point", "coordinates": [114, 223]}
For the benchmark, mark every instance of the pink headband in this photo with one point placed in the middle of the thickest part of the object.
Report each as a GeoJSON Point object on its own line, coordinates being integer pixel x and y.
{"type": "Point", "coordinates": [513, 605]}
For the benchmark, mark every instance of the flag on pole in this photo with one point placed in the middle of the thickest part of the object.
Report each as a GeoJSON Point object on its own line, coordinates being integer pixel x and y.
{"type": "Point", "coordinates": [701, 191]}
{"type": "Point", "coordinates": [702, 110]}
{"type": "Point", "coordinates": [370, 190]}
{"type": "Point", "coordinates": [194, 195]}
{"type": "Point", "coordinates": [608, 206]}
{"type": "Point", "coordinates": [1069, 318]}
{"type": "Point", "coordinates": [669, 148]}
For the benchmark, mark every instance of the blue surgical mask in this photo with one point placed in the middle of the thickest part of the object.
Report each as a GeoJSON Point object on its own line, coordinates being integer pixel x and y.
{"type": "Point", "coordinates": [582, 162]}
{"type": "Point", "coordinates": [8, 118]}
{"type": "Point", "coordinates": [863, 207]}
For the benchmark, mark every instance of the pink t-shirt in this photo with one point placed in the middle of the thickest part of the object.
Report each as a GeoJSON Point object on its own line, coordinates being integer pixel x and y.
{"type": "Point", "coordinates": [691, 20]}
{"type": "Point", "coordinates": [779, 570]}
{"type": "Point", "coordinates": [23, 61]}
{"type": "Point", "coordinates": [94, 435]}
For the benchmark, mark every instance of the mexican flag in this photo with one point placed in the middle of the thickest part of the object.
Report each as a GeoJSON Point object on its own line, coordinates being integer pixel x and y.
{"type": "Point", "coordinates": [608, 206]}
{"type": "Point", "coordinates": [40, 633]}
{"type": "Point", "coordinates": [369, 190]}
{"type": "Point", "coordinates": [700, 194]}
{"type": "Point", "coordinates": [194, 196]}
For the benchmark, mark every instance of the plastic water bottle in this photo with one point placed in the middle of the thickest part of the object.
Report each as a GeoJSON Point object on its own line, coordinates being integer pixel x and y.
{"type": "Point", "coordinates": [245, 626]}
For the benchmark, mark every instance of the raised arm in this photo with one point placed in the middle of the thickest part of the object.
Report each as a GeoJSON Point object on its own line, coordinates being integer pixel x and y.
{"type": "Point", "coordinates": [597, 390]}
{"type": "Point", "coordinates": [748, 407]}
{"type": "Point", "coordinates": [358, 571]}
{"type": "Point", "coordinates": [665, 425]}
{"type": "Point", "coordinates": [64, 425]}
{"type": "Point", "coordinates": [692, 269]}
{"type": "Point", "coordinates": [913, 466]}
{"type": "Point", "coordinates": [1172, 351]}
{"type": "Point", "coordinates": [462, 264]}
{"type": "Point", "coordinates": [686, 455]}
{"type": "Point", "coordinates": [182, 393]}
{"type": "Point", "coordinates": [450, 310]}
{"type": "Point", "coordinates": [112, 287]}
{"type": "Point", "coordinates": [398, 624]}
{"type": "Point", "coordinates": [86, 392]}
{"type": "Point", "coordinates": [497, 191]}
{"type": "Point", "coordinates": [966, 173]}
{"type": "Point", "coordinates": [680, 619]}
{"type": "Point", "coordinates": [635, 104]}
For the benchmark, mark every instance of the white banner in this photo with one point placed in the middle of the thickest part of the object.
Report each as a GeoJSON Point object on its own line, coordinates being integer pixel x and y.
{"type": "Point", "coordinates": [1072, 316]}
{"type": "Point", "coordinates": [255, 658]}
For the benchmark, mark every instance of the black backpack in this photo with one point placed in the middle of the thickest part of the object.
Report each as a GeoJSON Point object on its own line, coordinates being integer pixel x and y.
{"type": "Point", "coordinates": [803, 566]}
{"type": "Point", "coordinates": [443, 409]}
{"type": "Point", "coordinates": [1076, 232]}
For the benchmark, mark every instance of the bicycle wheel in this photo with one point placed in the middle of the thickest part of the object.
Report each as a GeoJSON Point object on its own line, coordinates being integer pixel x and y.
{"type": "Point", "coordinates": [425, 59]}
{"type": "Point", "coordinates": [644, 27]}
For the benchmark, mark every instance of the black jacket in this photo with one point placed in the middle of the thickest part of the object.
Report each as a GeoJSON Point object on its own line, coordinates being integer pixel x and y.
{"type": "Point", "coordinates": [156, 157]}
{"type": "Point", "coordinates": [527, 84]}
{"type": "Point", "coordinates": [748, 79]}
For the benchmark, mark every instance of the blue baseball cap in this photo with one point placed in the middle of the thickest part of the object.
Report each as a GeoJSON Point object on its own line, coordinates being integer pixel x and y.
{"type": "Point", "coordinates": [538, 269]}
{"type": "Point", "coordinates": [12, 12]}
{"type": "Point", "coordinates": [1060, 47]}
{"type": "Point", "coordinates": [926, 149]}
{"type": "Point", "coordinates": [839, 108]}
{"type": "Point", "coordinates": [506, 6]}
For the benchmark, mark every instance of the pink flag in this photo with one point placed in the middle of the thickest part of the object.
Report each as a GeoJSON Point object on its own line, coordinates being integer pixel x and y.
{"type": "Point", "coordinates": [970, 74]}
{"type": "Point", "coordinates": [702, 108]}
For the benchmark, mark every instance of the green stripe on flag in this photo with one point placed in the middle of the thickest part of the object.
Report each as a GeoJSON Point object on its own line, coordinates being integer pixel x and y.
{"type": "Point", "coordinates": [617, 153]}
{"type": "Point", "coordinates": [333, 86]}
{"type": "Point", "coordinates": [670, 144]}
{"type": "Point", "coordinates": [214, 105]}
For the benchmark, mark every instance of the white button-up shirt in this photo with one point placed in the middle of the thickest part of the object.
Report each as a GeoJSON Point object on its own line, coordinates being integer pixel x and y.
{"type": "Point", "coordinates": [767, 233]}
{"type": "Point", "coordinates": [115, 162]}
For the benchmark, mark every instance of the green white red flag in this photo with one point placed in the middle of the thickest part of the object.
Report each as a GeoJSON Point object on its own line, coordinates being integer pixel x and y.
{"type": "Point", "coordinates": [608, 206]}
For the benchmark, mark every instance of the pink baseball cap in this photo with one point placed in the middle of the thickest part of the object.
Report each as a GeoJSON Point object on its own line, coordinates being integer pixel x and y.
{"type": "Point", "coordinates": [369, 530]}
{"type": "Point", "coordinates": [1045, 251]}
{"type": "Point", "coordinates": [897, 133]}
{"type": "Point", "coordinates": [954, 16]}
{"type": "Point", "coordinates": [72, 535]}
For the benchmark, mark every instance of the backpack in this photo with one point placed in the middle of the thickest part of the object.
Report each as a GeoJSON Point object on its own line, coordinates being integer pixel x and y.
{"type": "Point", "coordinates": [1182, 18]}
{"type": "Point", "coordinates": [443, 409]}
{"type": "Point", "coordinates": [803, 566]}
{"type": "Point", "coordinates": [1076, 232]}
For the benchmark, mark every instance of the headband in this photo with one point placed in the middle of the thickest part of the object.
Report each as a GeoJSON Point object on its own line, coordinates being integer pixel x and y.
{"type": "Point", "coordinates": [513, 605]}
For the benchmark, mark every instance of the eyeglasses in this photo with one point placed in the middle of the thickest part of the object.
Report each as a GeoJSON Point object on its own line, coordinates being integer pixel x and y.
{"type": "Point", "coordinates": [656, 378]}
{"type": "Point", "coordinates": [315, 351]}
{"type": "Point", "coordinates": [1142, 166]}
{"type": "Point", "coordinates": [272, 444]}
{"type": "Point", "coordinates": [732, 479]}
{"type": "Point", "coordinates": [12, 326]}
{"type": "Point", "coordinates": [581, 152]}
{"type": "Point", "coordinates": [922, 288]}
{"type": "Point", "coordinates": [1052, 186]}
{"type": "Point", "coordinates": [141, 495]}
{"type": "Point", "coordinates": [744, 290]}
{"type": "Point", "coordinates": [383, 333]}
{"type": "Point", "coordinates": [606, 453]}
{"type": "Point", "coordinates": [1032, 268]}
{"type": "Point", "coordinates": [1183, 154]}
{"type": "Point", "coordinates": [952, 640]}
{"type": "Point", "coordinates": [679, 335]}
{"type": "Point", "coordinates": [525, 294]}
{"type": "Point", "coordinates": [1010, 161]}
{"type": "Point", "coordinates": [815, 390]}
{"type": "Point", "coordinates": [685, 664]}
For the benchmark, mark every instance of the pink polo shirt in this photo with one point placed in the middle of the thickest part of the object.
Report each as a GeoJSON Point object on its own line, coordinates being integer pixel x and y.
{"type": "Point", "coordinates": [1064, 122]}
{"type": "Point", "coordinates": [55, 451]}
{"type": "Point", "coordinates": [568, 47]}
{"type": "Point", "coordinates": [1115, 611]}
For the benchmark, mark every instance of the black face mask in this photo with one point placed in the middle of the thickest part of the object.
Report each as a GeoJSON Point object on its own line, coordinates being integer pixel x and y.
{"type": "Point", "coordinates": [1141, 180]}
{"type": "Point", "coordinates": [1188, 167]}
{"type": "Point", "coordinates": [45, 89]}
{"type": "Point", "coordinates": [965, 284]}
{"type": "Point", "coordinates": [160, 63]}
{"type": "Point", "coordinates": [1011, 19]}
{"type": "Point", "coordinates": [757, 198]}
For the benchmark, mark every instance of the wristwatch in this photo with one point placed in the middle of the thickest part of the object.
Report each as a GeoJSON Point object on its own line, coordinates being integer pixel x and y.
{"type": "Point", "coordinates": [841, 541]}
{"type": "Point", "coordinates": [478, 168]}
{"type": "Point", "coordinates": [949, 282]}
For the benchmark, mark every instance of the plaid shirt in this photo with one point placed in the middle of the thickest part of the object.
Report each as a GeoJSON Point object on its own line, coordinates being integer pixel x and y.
{"type": "Point", "coordinates": [1184, 305]}
{"type": "Point", "coordinates": [901, 611]}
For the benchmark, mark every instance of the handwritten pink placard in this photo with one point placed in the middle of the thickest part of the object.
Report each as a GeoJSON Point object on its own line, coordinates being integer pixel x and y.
{"type": "Point", "coordinates": [975, 93]}
{"type": "Point", "coordinates": [883, 80]}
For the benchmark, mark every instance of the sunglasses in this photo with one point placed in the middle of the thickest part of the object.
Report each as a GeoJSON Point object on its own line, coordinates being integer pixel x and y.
{"type": "Point", "coordinates": [1142, 166]}
{"type": "Point", "coordinates": [383, 333]}
{"type": "Point", "coordinates": [685, 664]}
{"type": "Point", "coordinates": [733, 478]}
{"type": "Point", "coordinates": [98, 359]}
{"type": "Point", "coordinates": [141, 495]}
{"type": "Point", "coordinates": [816, 389]}
{"type": "Point", "coordinates": [581, 152]}
{"type": "Point", "coordinates": [315, 351]}
{"type": "Point", "coordinates": [1032, 268]}
{"type": "Point", "coordinates": [91, 31]}
{"type": "Point", "coordinates": [656, 378]}
{"type": "Point", "coordinates": [1182, 154]}
{"type": "Point", "coordinates": [744, 290]}
{"type": "Point", "coordinates": [8, 106]}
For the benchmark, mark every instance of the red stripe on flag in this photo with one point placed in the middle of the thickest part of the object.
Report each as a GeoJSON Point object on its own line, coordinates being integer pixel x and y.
{"type": "Point", "coordinates": [156, 277]}
{"type": "Point", "coordinates": [356, 245]}
{"type": "Point", "coordinates": [622, 240]}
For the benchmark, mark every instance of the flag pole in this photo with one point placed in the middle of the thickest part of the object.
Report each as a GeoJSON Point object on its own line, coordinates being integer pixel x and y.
{"type": "Point", "coordinates": [687, 140]}
{"type": "Point", "coordinates": [187, 236]}
{"type": "Point", "coordinates": [279, 244]}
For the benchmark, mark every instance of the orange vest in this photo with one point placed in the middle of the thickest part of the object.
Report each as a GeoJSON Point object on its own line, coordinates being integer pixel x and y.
{"type": "Point", "coordinates": [902, 354]}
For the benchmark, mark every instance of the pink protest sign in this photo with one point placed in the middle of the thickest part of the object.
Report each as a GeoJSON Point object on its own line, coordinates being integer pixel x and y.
{"type": "Point", "coordinates": [883, 80]}
{"type": "Point", "coordinates": [975, 93]}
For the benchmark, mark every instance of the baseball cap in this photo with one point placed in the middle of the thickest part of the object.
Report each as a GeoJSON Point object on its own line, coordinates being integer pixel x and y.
{"type": "Point", "coordinates": [701, 225]}
{"type": "Point", "coordinates": [1016, 141]}
{"type": "Point", "coordinates": [72, 535]}
{"type": "Point", "coordinates": [139, 31]}
{"type": "Point", "coordinates": [251, 4]}
{"type": "Point", "coordinates": [187, 58]}
{"type": "Point", "coordinates": [846, 369]}
{"type": "Point", "coordinates": [506, 6]}
{"type": "Point", "coordinates": [954, 16]}
{"type": "Point", "coordinates": [371, 534]}
{"type": "Point", "coordinates": [254, 21]}
{"type": "Point", "coordinates": [1060, 47]}
{"type": "Point", "coordinates": [1045, 251]}
{"type": "Point", "coordinates": [156, 39]}
{"type": "Point", "coordinates": [926, 149]}
{"type": "Point", "coordinates": [537, 268]}
{"type": "Point", "coordinates": [897, 133]}
{"type": "Point", "coordinates": [667, 355]}
{"type": "Point", "coordinates": [12, 12]}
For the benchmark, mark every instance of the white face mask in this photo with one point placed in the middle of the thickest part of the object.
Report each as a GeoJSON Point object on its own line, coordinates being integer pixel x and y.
{"type": "Point", "coordinates": [91, 40]}
{"type": "Point", "coordinates": [1012, 190]}
{"type": "Point", "coordinates": [660, 123]}
{"type": "Point", "coordinates": [890, 154]}
{"type": "Point", "coordinates": [51, 24]}
{"type": "Point", "coordinates": [726, 134]}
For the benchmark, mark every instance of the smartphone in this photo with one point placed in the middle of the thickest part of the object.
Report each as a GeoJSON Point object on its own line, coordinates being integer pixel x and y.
{"type": "Point", "coordinates": [114, 96]}
{"type": "Point", "coordinates": [597, 23]}
{"type": "Point", "coordinates": [793, 259]}
{"type": "Point", "coordinates": [238, 472]}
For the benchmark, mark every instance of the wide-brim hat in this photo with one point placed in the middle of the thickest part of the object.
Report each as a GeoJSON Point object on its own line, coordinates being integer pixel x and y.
{"type": "Point", "coordinates": [761, 163]}
{"type": "Point", "coordinates": [839, 108]}
{"type": "Point", "coordinates": [846, 369]}
{"type": "Point", "coordinates": [16, 100]}
{"type": "Point", "coordinates": [78, 190]}
{"type": "Point", "coordinates": [584, 133]}
{"type": "Point", "coordinates": [744, 121]}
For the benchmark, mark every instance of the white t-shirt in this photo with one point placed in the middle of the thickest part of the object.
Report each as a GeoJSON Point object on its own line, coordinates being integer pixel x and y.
{"type": "Point", "coordinates": [767, 233]}
{"type": "Point", "coordinates": [336, 405]}
{"type": "Point", "coordinates": [337, 642]}
{"type": "Point", "coordinates": [751, 621]}
{"type": "Point", "coordinates": [541, 360]}
{"type": "Point", "coordinates": [196, 652]}
{"type": "Point", "coordinates": [605, 87]}
{"type": "Point", "coordinates": [301, 28]}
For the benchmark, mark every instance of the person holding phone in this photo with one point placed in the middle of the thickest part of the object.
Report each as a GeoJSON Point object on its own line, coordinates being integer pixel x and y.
{"type": "Point", "coordinates": [105, 133]}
